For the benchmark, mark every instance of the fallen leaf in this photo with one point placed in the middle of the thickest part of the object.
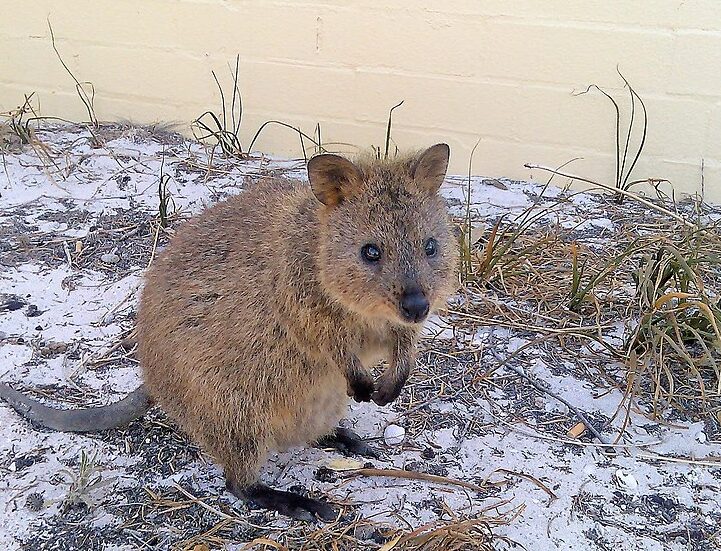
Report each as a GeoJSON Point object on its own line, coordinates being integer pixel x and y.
{"type": "Point", "coordinates": [577, 430]}
{"type": "Point", "coordinates": [496, 184]}
{"type": "Point", "coordinates": [345, 464]}
{"type": "Point", "coordinates": [390, 544]}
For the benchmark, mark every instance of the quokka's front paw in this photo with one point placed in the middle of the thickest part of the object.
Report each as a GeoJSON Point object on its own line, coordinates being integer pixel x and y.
{"type": "Point", "coordinates": [361, 387]}
{"type": "Point", "coordinates": [388, 390]}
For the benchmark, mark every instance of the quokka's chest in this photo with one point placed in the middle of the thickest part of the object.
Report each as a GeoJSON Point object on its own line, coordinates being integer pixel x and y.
{"type": "Point", "coordinates": [374, 347]}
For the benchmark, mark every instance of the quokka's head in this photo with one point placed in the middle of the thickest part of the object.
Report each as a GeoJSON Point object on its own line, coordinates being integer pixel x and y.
{"type": "Point", "coordinates": [387, 250]}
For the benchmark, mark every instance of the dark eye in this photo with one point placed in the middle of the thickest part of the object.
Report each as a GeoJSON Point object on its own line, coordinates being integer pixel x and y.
{"type": "Point", "coordinates": [371, 253]}
{"type": "Point", "coordinates": [431, 247]}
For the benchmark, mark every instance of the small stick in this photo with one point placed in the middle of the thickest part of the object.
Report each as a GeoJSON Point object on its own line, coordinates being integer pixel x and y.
{"type": "Point", "coordinates": [545, 390]}
{"type": "Point", "coordinates": [540, 436]}
{"type": "Point", "coordinates": [530, 478]}
{"type": "Point", "coordinates": [709, 461]}
{"type": "Point", "coordinates": [67, 255]}
{"type": "Point", "coordinates": [580, 331]}
{"type": "Point", "coordinates": [264, 541]}
{"type": "Point", "coordinates": [398, 473]}
{"type": "Point", "coordinates": [155, 245]}
{"type": "Point", "coordinates": [204, 505]}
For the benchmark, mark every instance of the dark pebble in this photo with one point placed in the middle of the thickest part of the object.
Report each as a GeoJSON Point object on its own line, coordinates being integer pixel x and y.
{"type": "Point", "coordinates": [324, 474]}
{"type": "Point", "coordinates": [12, 305]}
{"type": "Point", "coordinates": [35, 501]}
{"type": "Point", "coordinates": [428, 453]}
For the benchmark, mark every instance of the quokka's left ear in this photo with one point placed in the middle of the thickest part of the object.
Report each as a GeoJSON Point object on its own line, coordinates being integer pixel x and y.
{"type": "Point", "coordinates": [430, 168]}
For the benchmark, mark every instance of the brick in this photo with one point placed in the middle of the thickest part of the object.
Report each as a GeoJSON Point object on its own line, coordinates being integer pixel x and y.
{"type": "Point", "coordinates": [491, 48]}
{"type": "Point", "coordinates": [144, 73]}
{"type": "Point", "coordinates": [33, 62]}
{"type": "Point", "coordinates": [678, 127]}
{"type": "Point", "coordinates": [52, 102]}
{"type": "Point", "coordinates": [695, 65]}
{"type": "Point", "coordinates": [662, 16]}
{"type": "Point", "coordinates": [572, 55]}
{"type": "Point", "coordinates": [713, 144]}
{"type": "Point", "coordinates": [249, 29]}
{"type": "Point", "coordinates": [149, 23]}
{"type": "Point", "coordinates": [300, 89]}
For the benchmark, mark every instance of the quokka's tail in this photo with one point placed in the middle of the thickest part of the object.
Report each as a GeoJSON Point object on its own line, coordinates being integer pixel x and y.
{"type": "Point", "coordinates": [117, 414]}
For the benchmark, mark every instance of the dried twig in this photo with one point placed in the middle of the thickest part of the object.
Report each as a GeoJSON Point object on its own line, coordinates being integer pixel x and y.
{"type": "Point", "coordinates": [546, 390]}
{"type": "Point", "coordinates": [530, 478]}
{"type": "Point", "coordinates": [204, 505]}
{"type": "Point", "coordinates": [412, 475]}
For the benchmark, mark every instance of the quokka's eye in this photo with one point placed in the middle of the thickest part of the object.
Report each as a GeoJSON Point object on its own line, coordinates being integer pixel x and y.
{"type": "Point", "coordinates": [371, 253]}
{"type": "Point", "coordinates": [431, 247]}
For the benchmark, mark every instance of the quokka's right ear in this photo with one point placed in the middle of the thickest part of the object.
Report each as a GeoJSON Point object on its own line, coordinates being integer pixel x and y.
{"type": "Point", "coordinates": [333, 178]}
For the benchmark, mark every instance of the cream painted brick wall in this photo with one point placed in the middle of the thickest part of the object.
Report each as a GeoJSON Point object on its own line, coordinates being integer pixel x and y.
{"type": "Point", "coordinates": [505, 71]}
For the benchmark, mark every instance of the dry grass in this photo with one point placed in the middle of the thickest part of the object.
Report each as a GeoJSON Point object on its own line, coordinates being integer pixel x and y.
{"type": "Point", "coordinates": [660, 278]}
{"type": "Point", "coordinates": [16, 128]}
{"type": "Point", "coordinates": [456, 534]}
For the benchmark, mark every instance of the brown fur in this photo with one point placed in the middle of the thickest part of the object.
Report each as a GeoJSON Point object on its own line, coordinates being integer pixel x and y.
{"type": "Point", "coordinates": [261, 318]}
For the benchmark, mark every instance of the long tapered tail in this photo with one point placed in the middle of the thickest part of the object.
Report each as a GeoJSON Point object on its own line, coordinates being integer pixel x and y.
{"type": "Point", "coordinates": [117, 414]}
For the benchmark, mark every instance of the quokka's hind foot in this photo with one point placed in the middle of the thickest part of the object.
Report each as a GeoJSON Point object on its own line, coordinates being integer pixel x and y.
{"type": "Point", "coordinates": [348, 442]}
{"type": "Point", "coordinates": [286, 503]}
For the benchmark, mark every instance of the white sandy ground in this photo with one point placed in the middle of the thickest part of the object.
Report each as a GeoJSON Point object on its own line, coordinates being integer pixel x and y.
{"type": "Point", "coordinates": [600, 498]}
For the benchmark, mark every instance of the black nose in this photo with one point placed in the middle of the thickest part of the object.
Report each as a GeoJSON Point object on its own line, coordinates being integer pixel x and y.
{"type": "Point", "coordinates": [414, 305]}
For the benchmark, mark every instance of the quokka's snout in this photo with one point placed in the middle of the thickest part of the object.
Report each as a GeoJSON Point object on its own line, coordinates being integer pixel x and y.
{"type": "Point", "coordinates": [414, 305]}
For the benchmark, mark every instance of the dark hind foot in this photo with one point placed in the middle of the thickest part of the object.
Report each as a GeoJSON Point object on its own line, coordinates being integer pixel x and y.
{"type": "Point", "coordinates": [348, 443]}
{"type": "Point", "coordinates": [286, 503]}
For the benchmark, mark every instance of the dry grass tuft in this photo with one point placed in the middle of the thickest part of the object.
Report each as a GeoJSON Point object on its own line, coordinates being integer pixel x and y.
{"type": "Point", "coordinates": [659, 280]}
{"type": "Point", "coordinates": [16, 127]}
{"type": "Point", "coordinates": [223, 129]}
{"type": "Point", "coordinates": [677, 342]}
{"type": "Point", "coordinates": [457, 534]}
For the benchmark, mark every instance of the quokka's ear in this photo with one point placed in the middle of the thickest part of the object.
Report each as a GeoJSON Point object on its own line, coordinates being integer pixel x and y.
{"type": "Point", "coordinates": [333, 178]}
{"type": "Point", "coordinates": [430, 168]}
